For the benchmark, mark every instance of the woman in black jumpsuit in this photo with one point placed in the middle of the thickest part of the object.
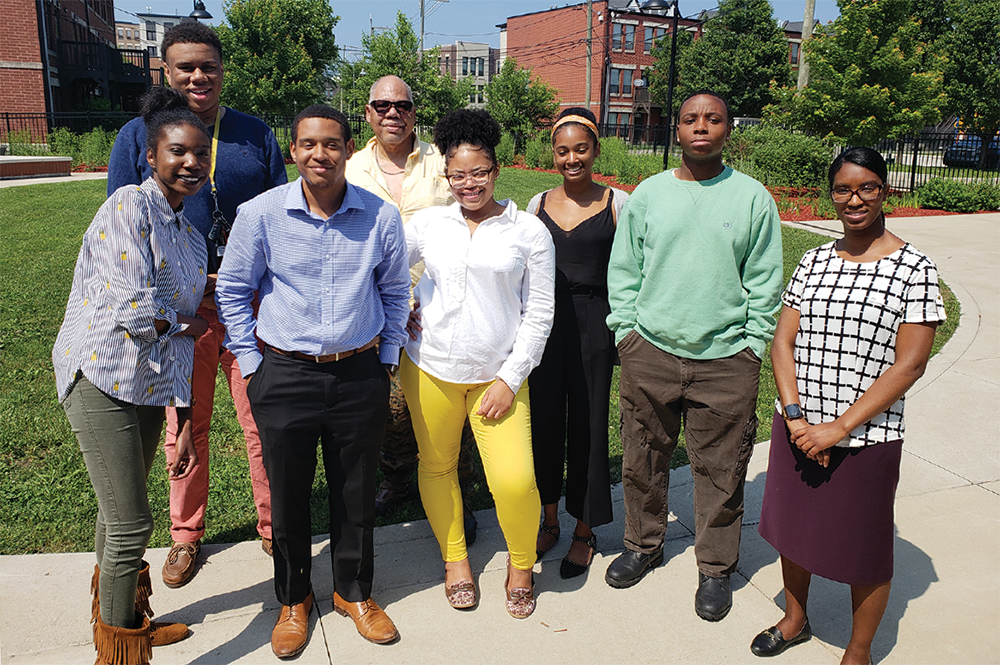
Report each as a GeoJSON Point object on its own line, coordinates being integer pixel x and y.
{"type": "Point", "coordinates": [570, 388]}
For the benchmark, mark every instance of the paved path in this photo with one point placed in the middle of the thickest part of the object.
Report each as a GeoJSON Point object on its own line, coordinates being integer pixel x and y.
{"type": "Point", "coordinates": [944, 607]}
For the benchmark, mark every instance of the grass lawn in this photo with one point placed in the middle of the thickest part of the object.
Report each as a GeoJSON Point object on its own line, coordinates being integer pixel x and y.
{"type": "Point", "coordinates": [45, 495]}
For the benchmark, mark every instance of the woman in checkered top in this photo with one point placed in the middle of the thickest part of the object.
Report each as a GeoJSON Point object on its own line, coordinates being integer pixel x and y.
{"type": "Point", "coordinates": [855, 334]}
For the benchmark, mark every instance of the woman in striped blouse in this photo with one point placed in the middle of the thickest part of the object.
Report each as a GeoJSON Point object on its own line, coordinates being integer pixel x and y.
{"type": "Point", "coordinates": [124, 352]}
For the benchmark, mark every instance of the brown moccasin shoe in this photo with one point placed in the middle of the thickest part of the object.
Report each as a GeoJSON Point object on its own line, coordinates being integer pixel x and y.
{"type": "Point", "coordinates": [161, 634]}
{"type": "Point", "coordinates": [371, 620]}
{"type": "Point", "coordinates": [291, 630]}
{"type": "Point", "coordinates": [179, 566]}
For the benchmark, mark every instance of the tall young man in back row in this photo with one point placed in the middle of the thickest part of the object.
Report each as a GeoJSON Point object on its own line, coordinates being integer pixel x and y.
{"type": "Point", "coordinates": [246, 161]}
{"type": "Point", "coordinates": [694, 281]}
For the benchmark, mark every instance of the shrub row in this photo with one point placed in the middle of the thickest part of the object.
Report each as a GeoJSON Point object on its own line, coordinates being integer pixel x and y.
{"type": "Point", "coordinates": [92, 149]}
{"type": "Point", "coordinates": [957, 196]}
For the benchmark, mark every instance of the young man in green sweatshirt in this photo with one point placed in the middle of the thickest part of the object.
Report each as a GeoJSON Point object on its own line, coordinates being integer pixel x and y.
{"type": "Point", "coordinates": [694, 284]}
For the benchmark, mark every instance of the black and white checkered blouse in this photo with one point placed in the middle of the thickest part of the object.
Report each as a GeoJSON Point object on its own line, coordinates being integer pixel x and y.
{"type": "Point", "coordinates": [849, 314]}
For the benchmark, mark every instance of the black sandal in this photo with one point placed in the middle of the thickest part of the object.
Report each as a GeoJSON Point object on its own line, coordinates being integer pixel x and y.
{"type": "Point", "coordinates": [552, 531]}
{"type": "Point", "coordinates": [569, 569]}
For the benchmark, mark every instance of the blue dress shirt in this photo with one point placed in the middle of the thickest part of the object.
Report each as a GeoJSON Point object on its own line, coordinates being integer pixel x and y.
{"type": "Point", "coordinates": [326, 285]}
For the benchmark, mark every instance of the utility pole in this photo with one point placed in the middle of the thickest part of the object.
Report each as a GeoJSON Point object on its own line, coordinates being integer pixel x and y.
{"type": "Point", "coordinates": [807, 29]}
{"type": "Point", "coordinates": [421, 58]}
{"type": "Point", "coordinates": [590, 47]}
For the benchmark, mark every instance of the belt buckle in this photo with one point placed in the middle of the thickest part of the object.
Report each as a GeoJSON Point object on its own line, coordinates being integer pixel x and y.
{"type": "Point", "coordinates": [336, 357]}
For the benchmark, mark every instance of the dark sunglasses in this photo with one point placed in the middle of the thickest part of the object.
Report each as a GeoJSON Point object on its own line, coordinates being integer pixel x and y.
{"type": "Point", "coordinates": [382, 106]}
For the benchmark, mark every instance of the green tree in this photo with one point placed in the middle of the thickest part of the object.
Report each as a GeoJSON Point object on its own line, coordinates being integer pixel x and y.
{"type": "Point", "coordinates": [518, 100]}
{"type": "Point", "coordinates": [741, 54]}
{"type": "Point", "coordinates": [277, 53]}
{"type": "Point", "coordinates": [972, 73]}
{"type": "Point", "coordinates": [397, 52]}
{"type": "Point", "coordinates": [659, 74]}
{"type": "Point", "coordinates": [872, 75]}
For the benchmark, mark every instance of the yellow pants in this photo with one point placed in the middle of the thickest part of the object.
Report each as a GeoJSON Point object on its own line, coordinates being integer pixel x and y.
{"type": "Point", "coordinates": [438, 410]}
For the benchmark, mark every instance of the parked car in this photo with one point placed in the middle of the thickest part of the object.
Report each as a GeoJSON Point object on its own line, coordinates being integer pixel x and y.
{"type": "Point", "coordinates": [965, 151]}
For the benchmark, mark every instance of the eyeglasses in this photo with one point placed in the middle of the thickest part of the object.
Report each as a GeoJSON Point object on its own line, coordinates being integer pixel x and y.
{"type": "Point", "coordinates": [477, 177]}
{"type": "Point", "coordinates": [865, 193]}
{"type": "Point", "coordinates": [382, 106]}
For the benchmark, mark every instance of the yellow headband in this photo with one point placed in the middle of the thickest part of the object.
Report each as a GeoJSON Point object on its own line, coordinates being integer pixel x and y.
{"type": "Point", "coordinates": [576, 118]}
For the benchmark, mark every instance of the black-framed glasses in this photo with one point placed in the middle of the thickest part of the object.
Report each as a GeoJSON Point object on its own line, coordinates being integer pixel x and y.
{"type": "Point", "coordinates": [477, 177]}
{"type": "Point", "coordinates": [382, 106]}
{"type": "Point", "coordinates": [865, 193]}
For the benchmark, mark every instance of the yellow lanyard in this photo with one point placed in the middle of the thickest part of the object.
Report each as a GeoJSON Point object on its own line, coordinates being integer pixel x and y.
{"type": "Point", "coordinates": [215, 146]}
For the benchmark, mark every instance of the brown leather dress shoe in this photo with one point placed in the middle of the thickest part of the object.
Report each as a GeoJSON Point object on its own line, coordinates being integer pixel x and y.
{"type": "Point", "coordinates": [291, 631]}
{"type": "Point", "coordinates": [371, 620]}
{"type": "Point", "coordinates": [179, 566]}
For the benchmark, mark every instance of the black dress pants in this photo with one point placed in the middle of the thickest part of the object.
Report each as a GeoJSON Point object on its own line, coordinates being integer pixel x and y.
{"type": "Point", "coordinates": [342, 405]}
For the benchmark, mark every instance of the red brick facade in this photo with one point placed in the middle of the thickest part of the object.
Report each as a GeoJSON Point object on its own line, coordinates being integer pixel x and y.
{"type": "Point", "coordinates": [554, 43]}
{"type": "Point", "coordinates": [21, 73]}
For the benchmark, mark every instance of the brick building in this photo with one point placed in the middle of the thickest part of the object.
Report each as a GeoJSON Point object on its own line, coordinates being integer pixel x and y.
{"type": "Point", "coordinates": [62, 55]}
{"type": "Point", "coordinates": [554, 43]}
{"type": "Point", "coordinates": [470, 60]}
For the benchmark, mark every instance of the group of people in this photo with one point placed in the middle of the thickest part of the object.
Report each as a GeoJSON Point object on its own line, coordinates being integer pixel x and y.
{"type": "Point", "coordinates": [387, 301]}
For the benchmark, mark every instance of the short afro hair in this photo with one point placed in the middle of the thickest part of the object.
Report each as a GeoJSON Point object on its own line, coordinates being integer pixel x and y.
{"type": "Point", "coordinates": [475, 128]}
{"type": "Point", "coordinates": [322, 111]}
{"type": "Point", "coordinates": [710, 93]}
{"type": "Point", "coordinates": [190, 32]}
{"type": "Point", "coordinates": [165, 107]}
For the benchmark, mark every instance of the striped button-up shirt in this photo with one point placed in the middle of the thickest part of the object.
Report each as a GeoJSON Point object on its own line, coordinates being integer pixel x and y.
{"type": "Point", "coordinates": [326, 285]}
{"type": "Point", "coordinates": [140, 262]}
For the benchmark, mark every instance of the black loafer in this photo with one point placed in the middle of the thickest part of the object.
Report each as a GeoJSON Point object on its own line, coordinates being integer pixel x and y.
{"type": "Point", "coordinates": [771, 642]}
{"type": "Point", "coordinates": [629, 567]}
{"type": "Point", "coordinates": [714, 597]}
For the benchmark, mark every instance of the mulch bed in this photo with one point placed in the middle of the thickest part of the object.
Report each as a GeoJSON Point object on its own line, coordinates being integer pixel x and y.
{"type": "Point", "coordinates": [84, 168]}
{"type": "Point", "coordinates": [799, 199]}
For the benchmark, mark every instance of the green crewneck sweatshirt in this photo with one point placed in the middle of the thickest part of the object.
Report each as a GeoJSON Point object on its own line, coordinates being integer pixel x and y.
{"type": "Point", "coordinates": [696, 266]}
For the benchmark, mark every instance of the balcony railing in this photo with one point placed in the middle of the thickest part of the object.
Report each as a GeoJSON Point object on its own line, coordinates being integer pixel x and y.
{"type": "Point", "coordinates": [105, 62]}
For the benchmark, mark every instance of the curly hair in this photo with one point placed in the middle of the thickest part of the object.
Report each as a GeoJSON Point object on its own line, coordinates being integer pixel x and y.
{"type": "Point", "coordinates": [190, 32]}
{"type": "Point", "coordinates": [583, 113]}
{"type": "Point", "coordinates": [165, 107]}
{"type": "Point", "coordinates": [474, 128]}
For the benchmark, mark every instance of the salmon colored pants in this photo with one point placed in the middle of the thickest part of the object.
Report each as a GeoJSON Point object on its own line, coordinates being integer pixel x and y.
{"type": "Point", "coordinates": [189, 496]}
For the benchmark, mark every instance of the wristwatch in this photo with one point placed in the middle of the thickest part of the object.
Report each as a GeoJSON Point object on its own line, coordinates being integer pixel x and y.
{"type": "Point", "coordinates": [792, 412]}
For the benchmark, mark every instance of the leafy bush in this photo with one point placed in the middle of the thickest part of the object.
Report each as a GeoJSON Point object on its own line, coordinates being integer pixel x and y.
{"type": "Point", "coordinates": [988, 195]}
{"type": "Point", "coordinates": [65, 143]}
{"type": "Point", "coordinates": [95, 147]}
{"type": "Point", "coordinates": [538, 153]}
{"type": "Point", "coordinates": [20, 143]}
{"type": "Point", "coordinates": [626, 167]}
{"type": "Point", "coordinates": [778, 157]}
{"type": "Point", "coordinates": [505, 150]}
{"type": "Point", "coordinates": [947, 194]}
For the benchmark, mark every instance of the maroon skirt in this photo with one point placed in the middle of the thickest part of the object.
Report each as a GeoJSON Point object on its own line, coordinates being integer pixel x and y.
{"type": "Point", "coordinates": [836, 522]}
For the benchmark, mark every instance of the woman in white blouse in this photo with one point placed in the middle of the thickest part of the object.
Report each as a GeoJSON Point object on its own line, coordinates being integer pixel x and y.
{"type": "Point", "coordinates": [124, 352]}
{"type": "Point", "coordinates": [855, 333]}
{"type": "Point", "coordinates": [483, 312]}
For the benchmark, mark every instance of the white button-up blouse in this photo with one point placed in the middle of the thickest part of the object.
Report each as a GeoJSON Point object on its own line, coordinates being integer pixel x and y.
{"type": "Point", "coordinates": [486, 298]}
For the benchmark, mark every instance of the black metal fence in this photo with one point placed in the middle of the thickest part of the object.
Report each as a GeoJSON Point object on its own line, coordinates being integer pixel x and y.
{"type": "Point", "coordinates": [913, 159]}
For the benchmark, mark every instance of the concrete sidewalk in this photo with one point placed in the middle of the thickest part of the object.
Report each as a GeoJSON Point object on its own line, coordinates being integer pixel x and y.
{"type": "Point", "coordinates": [944, 607]}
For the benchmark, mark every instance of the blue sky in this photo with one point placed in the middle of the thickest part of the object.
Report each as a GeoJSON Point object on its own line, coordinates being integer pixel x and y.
{"type": "Point", "coordinates": [465, 20]}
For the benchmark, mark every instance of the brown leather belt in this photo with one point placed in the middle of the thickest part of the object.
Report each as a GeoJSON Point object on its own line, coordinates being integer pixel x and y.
{"type": "Point", "coordinates": [332, 358]}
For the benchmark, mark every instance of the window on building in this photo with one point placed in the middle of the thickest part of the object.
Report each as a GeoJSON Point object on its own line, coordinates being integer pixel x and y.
{"type": "Point", "coordinates": [167, 26]}
{"type": "Point", "coordinates": [465, 66]}
{"type": "Point", "coordinates": [647, 45]}
{"type": "Point", "coordinates": [793, 56]}
{"type": "Point", "coordinates": [128, 33]}
{"type": "Point", "coordinates": [614, 86]}
{"type": "Point", "coordinates": [481, 94]}
{"type": "Point", "coordinates": [616, 37]}
{"type": "Point", "coordinates": [629, 37]}
{"type": "Point", "coordinates": [151, 31]}
{"type": "Point", "coordinates": [152, 51]}
{"type": "Point", "coordinates": [627, 82]}
{"type": "Point", "coordinates": [482, 68]}
{"type": "Point", "coordinates": [121, 33]}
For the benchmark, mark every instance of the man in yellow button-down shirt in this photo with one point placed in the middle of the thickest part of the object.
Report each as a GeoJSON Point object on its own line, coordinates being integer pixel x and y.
{"type": "Point", "coordinates": [397, 166]}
